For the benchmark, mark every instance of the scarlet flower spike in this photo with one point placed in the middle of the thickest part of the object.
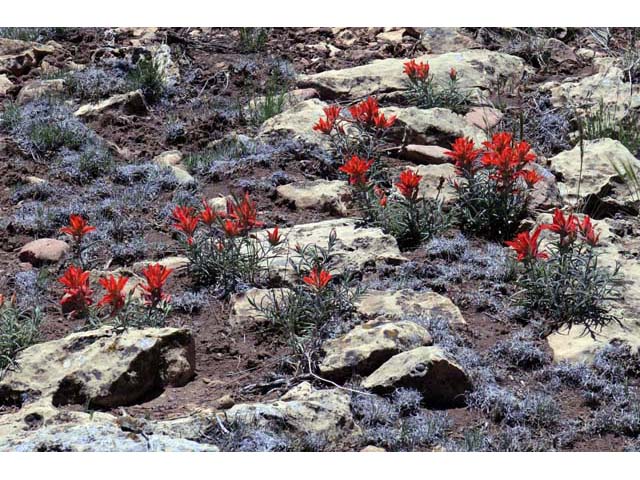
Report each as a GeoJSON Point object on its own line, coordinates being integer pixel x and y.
{"type": "Point", "coordinates": [244, 213]}
{"type": "Point", "coordinates": [231, 228]}
{"type": "Point", "coordinates": [366, 111]}
{"type": "Point", "coordinates": [77, 291]}
{"type": "Point", "coordinates": [78, 227]}
{"type": "Point", "coordinates": [357, 169]}
{"type": "Point", "coordinates": [156, 276]}
{"type": "Point", "coordinates": [531, 177]}
{"type": "Point", "coordinates": [588, 232]}
{"type": "Point", "coordinates": [186, 221]}
{"type": "Point", "coordinates": [273, 236]}
{"type": "Point", "coordinates": [409, 184]}
{"type": "Point", "coordinates": [115, 296]}
{"type": "Point", "coordinates": [453, 74]}
{"type": "Point", "coordinates": [526, 246]}
{"type": "Point", "coordinates": [317, 278]}
{"type": "Point", "coordinates": [464, 154]}
{"type": "Point", "coordinates": [326, 125]}
{"type": "Point", "coordinates": [416, 70]}
{"type": "Point", "coordinates": [563, 226]}
{"type": "Point", "coordinates": [207, 215]}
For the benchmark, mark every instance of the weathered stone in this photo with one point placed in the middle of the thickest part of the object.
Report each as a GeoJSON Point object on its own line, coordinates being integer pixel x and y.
{"type": "Point", "coordinates": [182, 176]}
{"type": "Point", "coordinates": [302, 409]}
{"type": "Point", "coordinates": [399, 304]}
{"type": "Point", "coordinates": [43, 250]}
{"type": "Point", "coordinates": [130, 103]}
{"type": "Point", "coordinates": [368, 346]}
{"type": "Point", "coordinates": [40, 88]}
{"type": "Point", "coordinates": [102, 368]}
{"type": "Point", "coordinates": [425, 154]}
{"type": "Point", "coordinates": [599, 180]}
{"type": "Point", "coordinates": [484, 118]}
{"type": "Point", "coordinates": [243, 312]}
{"type": "Point", "coordinates": [477, 70]}
{"type": "Point", "coordinates": [445, 40]}
{"type": "Point", "coordinates": [168, 158]}
{"type": "Point", "coordinates": [545, 194]}
{"type": "Point", "coordinates": [5, 84]}
{"type": "Point", "coordinates": [433, 126]}
{"type": "Point", "coordinates": [298, 121]}
{"type": "Point", "coordinates": [174, 263]}
{"type": "Point", "coordinates": [326, 195]}
{"type": "Point", "coordinates": [18, 57]}
{"type": "Point", "coordinates": [442, 382]}
{"type": "Point", "coordinates": [393, 37]}
{"type": "Point", "coordinates": [432, 176]}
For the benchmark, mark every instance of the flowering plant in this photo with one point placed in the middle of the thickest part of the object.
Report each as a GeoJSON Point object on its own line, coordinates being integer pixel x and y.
{"type": "Point", "coordinates": [493, 184]}
{"type": "Point", "coordinates": [358, 131]}
{"type": "Point", "coordinates": [565, 282]}
{"type": "Point", "coordinates": [77, 229]}
{"type": "Point", "coordinates": [425, 92]}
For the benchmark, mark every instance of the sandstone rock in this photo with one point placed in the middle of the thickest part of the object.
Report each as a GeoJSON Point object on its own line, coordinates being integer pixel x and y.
{"type": "Point", "coordinates": [599, 178]}
{"type": "Point", "coordinates": [302, 409]}
{"type": "Point", "coordinates": [545, 194]}
{"type": "Point", "coordinates": [485, 118]}
{"type": "Point", "coordinates": [442, 382]}
{"type": "Point", "coordinates": [433, 126]}
{"type": "Point", "coordinates": [367, 346]}
{"type": "Point", "coordinates": [224, 402]}
{"type": "Point", "coordinates": [425, 154]}
{"type": "Point", "coordinates": [5, 84]}
{"type": "Point", "coordinates": [298, 121]}
{"type": "Point", "coordinates": [31, 180]}
{"type": "Point", "coordinates": [477, 69]}
{"type": "Point", "coordinates": [39, 88]}
{"type": "Point", "coordinates": [325, 195]}
{"type": "Point", "coordinates": [18, 57]}
{"type": "Point", "coordinates": [43, 250]}
{"type": "Point", "coordinates": [175, 263]}
{"type": "Point", "coordinates": [131, 103]}
{"type": "Point", "coordinates": [168, 158]}
{"type": "Point", "coordinates": [243, 313]}
{"type": "Point", "coordinates": [182, 176]}
{"type": "Point", "coordinates": [393, 37]}
{"type": "Point", "coordinates": [102, 368]}
{"type": "Point", "coordinates": [445, 40]}
{"type": "Point", "coordinates": [398, 304]}
{"type": "Point", "coordinates": [373, 448]}
{"type": "Point", "coordinates": [431, 177]}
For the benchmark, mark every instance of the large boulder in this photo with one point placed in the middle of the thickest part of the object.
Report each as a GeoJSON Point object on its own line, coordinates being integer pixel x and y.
{"type": "Point", "coordinates": [303, 409]}
{"type": "Point", "coordinates": [101, 368]}
{"type": "Point", "coordinates": [477, 70]}
{"type": "Point", "coordinates": [598, 179]}
{"type": "Point", "coordinates": [368, 346]}
{"type": "Point", "coordinates": [442, 382]}
{"type": "Point", "coordinates": [298, 121]}
{"type": "Point", "coordinates": [40, 88]}
{"type": "Point", "coordinates": [433, 126]}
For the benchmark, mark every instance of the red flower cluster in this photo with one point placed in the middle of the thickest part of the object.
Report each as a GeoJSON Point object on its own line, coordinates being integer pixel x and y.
{"type": "Point", "coordinates": [77, 291]}
{"type": "Point", "coordinates": [368, 113]}
{"type": "Point", "coordinates": [115, 296]}
{"type": "Point", "coordinates": [156, 276]}
{"type": "Point", "coordinates": [242, 214]}
{"type": "Point", "coordinates": [409, 184]}
{"type": "Point", "coordinates": [509, 159]}
{"type": "Point", "coordinates": [526, 246]}
{"type": "Point", "coordinates": [186, 221]}
{"type": "Point", "coordinates": [464, 154]}
{"type": "Point", "coordinates": [317, 278]}
{"type": "Point", "coordinates": [357, 169]}
{"type": "Point", "coordinates": [77, 228]}
{"type": "Point", "coordinates": [326, 125]}
{"type": "Point", "coordinates": [273, 236]}
{"type": "Point", "coordinates": [414, 70]}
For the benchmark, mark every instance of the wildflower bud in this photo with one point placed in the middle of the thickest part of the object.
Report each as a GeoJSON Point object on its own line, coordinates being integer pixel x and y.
{"type": "Point", "coordinates": [453, 75]}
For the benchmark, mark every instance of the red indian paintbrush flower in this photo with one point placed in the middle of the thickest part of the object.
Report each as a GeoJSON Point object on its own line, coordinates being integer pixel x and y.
{"type": "Point", "coordinates": [464, 153]}
{"type": "Point", "coordinates": [409, 184]}
{"type": "Point", "coordinates": [526, 246]}
{"type": "Point", "coordinates": [453, 74]}
{"type": "Point", "coordinates": [499, 142]}
{"type": "Point", "coordinates": [115, 295]}
{"type": "Point", "coordinates": [566, 227]}
{"type": "Point", "coordinates": [357, 169]}
{"type": "Point", "coordinates": [588, 232]}
{"type": "Point", "coordinates": [381, 122]}
{"type": "Point", "coordinates": [531, 177]}
{"type": "Point", "coordinates": [231, 228]}
{"type": "Point", "coordinates": [382, 196]}
{"type": "Point", "coordinates": [77, 291]}
{"type": "Point", "coordinates": [244, 213]}
{"type": "Point", "coordinates": [365, 111]}
{"type": "Point", "coordinates": [414, 70]}
{"type": "Point", "coordinates": [207, 215]}
{"type": "Point", "coordinates": [317, 278]}
{"type": "Point", "coordinates": [325, 125]}
{"type": "Point", "coordinates": [186, 221]}
{"type": "Point", "coordinates": [77, 228]}
{"type": "Point", "coordinates": [273, 236]}
{"type": "Point", "coordinates": [156, 275]}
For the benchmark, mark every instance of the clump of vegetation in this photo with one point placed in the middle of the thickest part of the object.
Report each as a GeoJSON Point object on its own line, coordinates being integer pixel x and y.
{"type": "Point", "coordinates": [493, 185]}
{"type": "Point", "coordinates": [606, 122]}
{"type": "Point", "coordinates": [148, 76]}
{"type": "Point", "coordinates": [270, 104]}
{"type": "Point", "coordinates": [95, 83]}
{"type": "Point", "coordinates": [253, 40]}
{"type": "Point", "coordinates": [565, 283]}
{"type": "Point", "coordinates": [19, 328]}
{"type": "Point", "coordinates": [425, 92]}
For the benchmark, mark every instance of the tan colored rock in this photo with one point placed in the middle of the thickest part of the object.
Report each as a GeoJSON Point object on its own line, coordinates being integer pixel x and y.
{"type": "Point", "coordinates": [174, 263]}
{"type": "Point", "coordinates": [445, 40]}
{"type": "Point", "coordinates": [302, 409]}
{"type": "Point", "coordinates": [433, 126]}
{"type": "Point", "coordinates": [399, 304]}
{"type": "Point", "coordinates": [40, 88]}
{"type": "Point", "coordinates": [325, 195]}
{"type": "Point", "coordinates": [18, 57]}
{"type": "Point", "coordinates": [168, 158]}
{"type": "Point", "coordinates": [31, 180]}
{"type": "Point", "coordinates": [5, 84]}
{"type": "Point", "coordinates": [485, 118]}
{"type": "Point", "coordinates": [425, 154]}
{"type": "Point", "coordinates": [224, 402]}
{"type": "Point", "coordinates": [545, 194]}
{"type": "Point", "coordinates": [393, 37]}
{"type": "Point", "coordinates": [102, 367]}
{"type": "Point", "coordinates": [182, 176]}
{"type": "Point", "coordinates": [298, 121]}
{"type": "Point", "coordinates": [432, 175]}
{"type": "Point", "coordinates": [442, 382]}
{"type": "Point", "coordinates": [130, 103]}
{"type": "Point", "coordinates": [243, 313]}
{"type": "Point", "coordinates": [477, 70]}
{"type": "Point", "coordinates": [43, 250]}
{"type": "Point", "coordinates": [373, 448]}
{"type": "Point", "coordinates": [599, 178]}
{"type": "Point", "coordinates": [367, 346]}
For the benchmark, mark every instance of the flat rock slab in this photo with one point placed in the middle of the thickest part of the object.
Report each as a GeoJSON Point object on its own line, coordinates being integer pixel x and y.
{"type": "Point", "coordinates": [442, 382]}
{"type": "Point", "coordinates": [431, 177]}
{"type": "Point", "coordinates": [445, 40]}
{"type": "Point", "coordinates": [477, 69]}
{"type": "Point", "coordinates": [298, 121]}
{"type": "Point", "coordinates": [17, 57]}
{"type": "Point", "coordinates": [368, 346]}
{"type": "Point", "coordinates": [130, 103]}
{"type": "Point", "coordinates": [43, 250]}
{"type": "Point", "coordinates": [400, 304]}
{"type": "Point", "coordinates": [101, 368]}
{"type": "Point", "coordinates": [325, 195]}
{"type": "Point", "coordinates": [425, 154]}
{"type": "Point", "coordinates": [599, 178]}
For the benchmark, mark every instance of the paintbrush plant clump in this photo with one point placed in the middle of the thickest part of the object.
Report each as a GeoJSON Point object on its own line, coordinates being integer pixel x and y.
{"type": "Point", "coordinates": [565, 281]}
{"type": "Point", "coordinates": [493, 184]}
{"type": "Point", "coordinates": [425, 92]}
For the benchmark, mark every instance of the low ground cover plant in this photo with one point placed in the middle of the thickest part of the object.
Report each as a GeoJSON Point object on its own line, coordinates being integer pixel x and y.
{"type": "Point", "coordinates": [19, 328]}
